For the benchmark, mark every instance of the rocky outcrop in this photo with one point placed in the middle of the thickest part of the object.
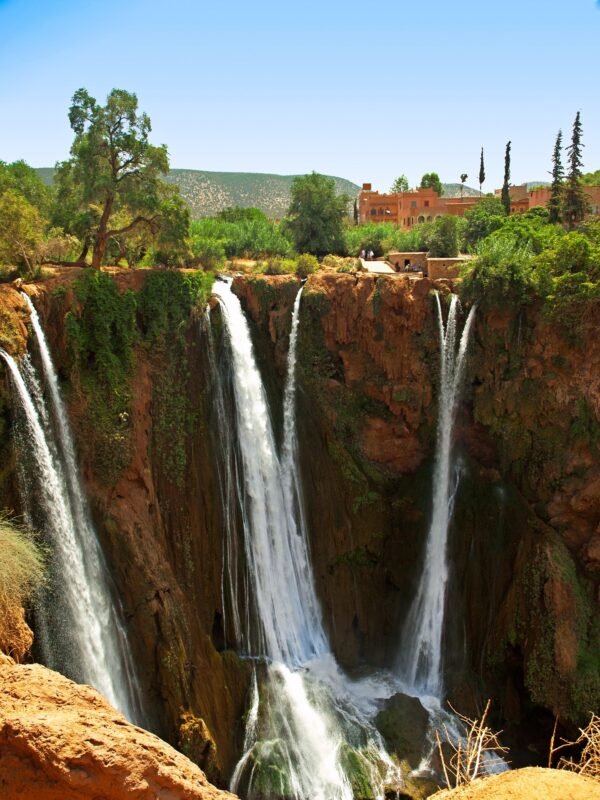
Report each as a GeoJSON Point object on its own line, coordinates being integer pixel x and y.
{"type": "Point", "coordinates": [61, 741]}
{"type": "Point", "coordinates": [527, 784]}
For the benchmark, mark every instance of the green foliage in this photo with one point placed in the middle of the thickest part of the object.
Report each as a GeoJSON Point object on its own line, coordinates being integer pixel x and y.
{"type": "Point", "coordinates": [431, 180]}
{"type": "Point", "coordinates": [385, 236]}
{"type": "Point", "coordinates": [113, 170]}
{"type": "Point", "coordinates": [306, 265]}
{"type": "Point", "coordinates": [166, 303]}
{"type": "Point", "coordinates": [556, 191]}
{"type": "Point", "coordinates": [243, 233]}
{"type": "Point", "coordinates": [167, 300]}
{"type": "Point", "coordinates": [574, 198]}
{"type": "Point", "coordinates": [444, 237]}
{"type": "Point", "coordinates": [486, 217]}
{"type": "Point", "coordinates": [22, 568]}
{"type": "Point", "coordinates": [591, 178]}
{"type": "Point", "coordinates": [316, 216]}
{"type": "Point", "coordinates": [481, 171]}
{"type": "Point", "coordinates": [25, 181]}
{"type": "Point", "coordinates": [506, 183]}
{"type": "Point", "coordinates": [399, 185]}
{"type": "Point", "coordinates": [280, 266]}
{"type": "Point", "coordinates": [102, 335]}
{"type": "Point", "coordinates": [501, 273]}
{"type": "Point", "coordinates": [209, 252]}
{"type": "Point", "coordinates": [21, 232]}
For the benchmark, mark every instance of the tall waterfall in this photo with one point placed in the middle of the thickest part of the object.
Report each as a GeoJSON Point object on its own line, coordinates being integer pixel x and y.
{"type": "Point", "coordinates": [421, 648]}
{"type": "Point", "coordinates": [81, 630]}
{"type": "Point", "coordinates": [308, 729]}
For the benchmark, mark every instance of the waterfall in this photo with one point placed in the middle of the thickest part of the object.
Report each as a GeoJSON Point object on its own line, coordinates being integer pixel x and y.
{"type": "Point", "coordinates": [81, 630]}
{"type": "Point", "coordinates": [308, 730]}
{"type": "Point", "coordinates": [421, 648]}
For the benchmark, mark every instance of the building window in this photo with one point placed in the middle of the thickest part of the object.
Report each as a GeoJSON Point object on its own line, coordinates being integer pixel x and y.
{"type": "Point", "coordinates": [387, 211]}
{"type": "Point", "coordinates": [373, 212]}
{"type": "Point", "coordinates": [380, 212]}
{"type": "Point", "coordinates": [421, 219]}
{"type": "Point", "coordinates": [426, 203]}
{"type": "Point", "coordinates": [413, 203]}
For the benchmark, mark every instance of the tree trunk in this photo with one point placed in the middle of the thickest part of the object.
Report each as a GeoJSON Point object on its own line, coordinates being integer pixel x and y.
{"type": "Point", "coordinates": [102, 234]}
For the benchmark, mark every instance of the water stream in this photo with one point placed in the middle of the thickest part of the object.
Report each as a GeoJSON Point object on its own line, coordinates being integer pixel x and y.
{"type": "Point", "coordinates": [78, 621]}
{"type": "Point", "coordinates": [421, 662]}
{"type": "Point", "coordinates": [309, 733]}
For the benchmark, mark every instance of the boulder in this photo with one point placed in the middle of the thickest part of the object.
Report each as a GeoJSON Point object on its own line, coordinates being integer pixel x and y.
{"type": "Point", "coordinates": [62, 741]}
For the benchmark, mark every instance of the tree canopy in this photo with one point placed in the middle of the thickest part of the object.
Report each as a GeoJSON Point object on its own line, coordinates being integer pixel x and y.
{"type": "Point", "coordinates": [111, 184]}
{"type": "Point", "coordinates": [431, 180]}
{"type": "Point", "coordinates": [316, 215]}
{"type": "Point", "coordinates": [399, 185]}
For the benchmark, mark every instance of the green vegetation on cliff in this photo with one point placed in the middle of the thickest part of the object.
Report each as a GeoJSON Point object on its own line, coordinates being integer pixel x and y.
{"type": "Point", "coordinates": [22, 568]}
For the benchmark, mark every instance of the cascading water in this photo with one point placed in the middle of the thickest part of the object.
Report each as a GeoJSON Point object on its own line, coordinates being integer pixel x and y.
{"type": "Point", "coordinates": [308, 730]}
{"type": "Point", "coordinates": [81, 631]}
{"type": "Point", "coordinates": [421, 648]}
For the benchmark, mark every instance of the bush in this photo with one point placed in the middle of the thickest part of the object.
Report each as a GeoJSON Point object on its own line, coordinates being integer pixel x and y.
{"type": "Point", "coordinates": [306, 265]}
{"type": "Point", "coordinates": [502, 272]}
{"type": "Point", "coordinates": [444, 237]}
{"type": "Point", "coordinates": [22, 569]}
{"type": "Point", "coordinates": [208, 252]}
{"type": "Point", "coordinates": [280, 266]}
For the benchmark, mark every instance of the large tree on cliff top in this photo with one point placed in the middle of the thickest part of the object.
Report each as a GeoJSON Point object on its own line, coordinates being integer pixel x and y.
{"type": "Point", "coordinates": [399, 185]}
{"type": "Point", "coordinates": [575, 200]}
{"type": "Point", "coordinates": [316, 215]}
{"type": "Point", "coordinates": [506, 184]}
{"type": "Point", "coordinates": [113, 170]}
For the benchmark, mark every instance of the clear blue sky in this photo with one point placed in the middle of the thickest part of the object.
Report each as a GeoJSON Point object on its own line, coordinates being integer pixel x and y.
{"type": "Point", "coordinates": [362, 90]}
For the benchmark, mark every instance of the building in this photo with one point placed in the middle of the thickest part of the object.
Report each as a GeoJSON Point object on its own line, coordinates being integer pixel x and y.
{"type": "Point", "coordinates": [424, 205]}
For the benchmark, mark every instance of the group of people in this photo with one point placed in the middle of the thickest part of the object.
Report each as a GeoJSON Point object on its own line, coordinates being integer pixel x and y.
{"type": "Point", "coordinates": [367, 255]}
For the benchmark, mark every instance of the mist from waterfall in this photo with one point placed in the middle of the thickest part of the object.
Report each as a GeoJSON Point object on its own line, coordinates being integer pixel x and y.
{"type": "Point", "coordinates": [308, 729]}
{"type": "Point", "coordinates": [78, 619]}
{"type": "Point", "coordinates": [421, 662]}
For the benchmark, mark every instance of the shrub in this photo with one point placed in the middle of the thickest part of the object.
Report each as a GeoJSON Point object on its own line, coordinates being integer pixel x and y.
{"type": "Point", "coordinates": [22, 568]}
{"type": "Point", "coordinates": [306, 265]}
{"type": "Point", "coordinates": [502, 272]}
{"type": "Point", "coordinates": [444, 237]}
{"type": "Point", "coordinates": [280, 266]}
{"type": "Point", "coordinates": [209, 252]}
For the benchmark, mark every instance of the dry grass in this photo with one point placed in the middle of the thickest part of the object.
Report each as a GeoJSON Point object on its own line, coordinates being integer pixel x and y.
{"type": "Point", "coordinates": [22, 568]}
{"type": "Point", "coordinates": [588, 743]}
{"type": "Point", "coordinates": [467, 755]}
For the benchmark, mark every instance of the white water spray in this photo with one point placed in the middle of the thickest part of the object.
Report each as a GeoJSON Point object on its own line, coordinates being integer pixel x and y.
{"type": "Point", "coordinates": [421, 648]}
{"type": "Point", "coordinates": [310, 732]}
{"type": "Point", "coordinates": [82, 634]}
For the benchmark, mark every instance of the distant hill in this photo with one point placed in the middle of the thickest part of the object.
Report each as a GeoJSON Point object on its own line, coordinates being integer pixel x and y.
{"type": "Point", "coordinates": [207, 193]}
{"type": "Point", "coordinates": [453, 190]}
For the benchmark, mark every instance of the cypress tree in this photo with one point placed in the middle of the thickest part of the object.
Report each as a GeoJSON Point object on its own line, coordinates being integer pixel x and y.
{"type": "Point", "coordinates": [556, 190]}
{"type": "Point", "coordinates": [575, 200]}
{"type": "Point", "coordinates": [481, 172]}
{"type": "Point", "coordinates": [355, 211]}
{"type": "Point", "coordinates": [505, 185]}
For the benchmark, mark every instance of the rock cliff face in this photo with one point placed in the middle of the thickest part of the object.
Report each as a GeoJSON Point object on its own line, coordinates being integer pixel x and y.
{"type": "Point", "coordinates": [60, 741]}
{"type": "Point", "coordinates": [524, 592]}
{"type": "Point", "coordinates": [524, 543]}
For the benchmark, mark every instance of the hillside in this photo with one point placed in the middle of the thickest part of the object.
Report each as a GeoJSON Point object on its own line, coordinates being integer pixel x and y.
{"type": "Point", "coordinates": [210, 192]}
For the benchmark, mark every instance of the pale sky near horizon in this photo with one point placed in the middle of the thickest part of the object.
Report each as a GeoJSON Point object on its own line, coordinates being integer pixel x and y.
{"type": "Point", "coordinates": [366, 91]}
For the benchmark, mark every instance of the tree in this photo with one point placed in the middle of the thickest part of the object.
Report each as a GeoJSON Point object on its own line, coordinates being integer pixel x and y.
{"type": "Point", "coordinates": [355, 215]}
{"type": "Point", "coordinates": [25, 180]}
{"type": "Point", "coordinates": [316, 215]}
{"type": "Point", "coordinates": [485, 218]}
{"type": "Point", "coordinates": [481, 172]}
{"type": "Point", "coordinates": [112, 167]}
{"type": "Point", "coordinates": [575, 200]}
{"type": "Point", "coordinates": [463, 178]}
{"type": "Point", "coordinates": [21, 231]}
{"type": "Point", "coordinates": [444, 238]}
{"type": "Point", "coordinates": [399, 185]}
{"type": "Point", "coordinates": [431, 180]}
{"type": "Point", "coordinates": [506, 184]}
{"type": "Point", "coordinates": [557, 188]}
